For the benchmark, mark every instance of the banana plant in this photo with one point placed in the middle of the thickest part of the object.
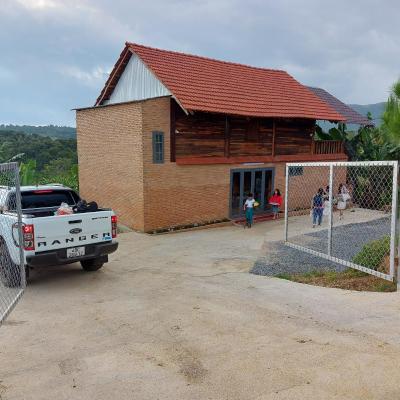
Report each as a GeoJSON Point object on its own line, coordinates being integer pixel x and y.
{"type": "Point", "coordinates": [27, 173]}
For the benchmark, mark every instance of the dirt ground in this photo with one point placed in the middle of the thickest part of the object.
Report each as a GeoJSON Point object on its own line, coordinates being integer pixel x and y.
{"type": "Point", "coordinates": [179, 317]}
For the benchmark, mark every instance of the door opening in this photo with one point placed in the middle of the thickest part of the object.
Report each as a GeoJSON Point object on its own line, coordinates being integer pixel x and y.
{"type": "Point", "coordinates": [259, 181]}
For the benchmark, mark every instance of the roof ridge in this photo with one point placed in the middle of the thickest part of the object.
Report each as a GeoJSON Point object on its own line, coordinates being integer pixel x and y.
{"type": "Point", "coordinates": [207, 58]}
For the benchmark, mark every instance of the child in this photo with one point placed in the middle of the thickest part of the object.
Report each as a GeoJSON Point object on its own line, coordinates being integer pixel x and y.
{"type": "Point", "coordinates": [249, 208]}
{"type": "Point", "coordinates": [317, 207]}
{"type": "Point", "coordinates": [276, 202]}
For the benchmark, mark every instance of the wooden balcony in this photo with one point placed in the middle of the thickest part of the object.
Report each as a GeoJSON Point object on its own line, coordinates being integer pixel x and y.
{"type": "Point", "coordinates": [327, 147]}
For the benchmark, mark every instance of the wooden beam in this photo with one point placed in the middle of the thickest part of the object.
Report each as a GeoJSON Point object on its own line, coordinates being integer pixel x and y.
{"type": "Point", "coordinates": [273, 136]}
{"type": "Point", "coordinates": [172, 131]}
{"type": "Point", "coordinates": [227, 137]}
{"type": "Point", "coordinates": [260, 159]}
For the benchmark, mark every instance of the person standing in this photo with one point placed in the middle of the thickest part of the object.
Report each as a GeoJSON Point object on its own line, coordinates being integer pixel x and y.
{"type": "Point", "coordinates": [249, 210]}
{"type": "Point", "coordinates": [327, 203]}
{"type": "Point", "coordinates": [343, 197]}
{"type": "Point", "coordinates": [317, 207]}
{"type": "Point", "coordinates": [276, 201]}
{"type": "Point", "coordinates": [326, 193]}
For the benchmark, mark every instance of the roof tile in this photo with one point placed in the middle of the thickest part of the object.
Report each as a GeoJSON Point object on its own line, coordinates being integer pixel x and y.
{"type": "Point", "coordinates": [352, 116]}
{"type": "Point", "coordinates": [205, 84]}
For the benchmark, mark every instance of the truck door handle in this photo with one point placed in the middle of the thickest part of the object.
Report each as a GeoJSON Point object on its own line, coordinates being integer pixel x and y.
{"type": "Point", "coordinates": [75, 221]}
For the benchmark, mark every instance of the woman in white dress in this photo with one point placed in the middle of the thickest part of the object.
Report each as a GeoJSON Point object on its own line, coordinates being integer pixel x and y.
{"type": "Point", "coordinates": [343, 198]}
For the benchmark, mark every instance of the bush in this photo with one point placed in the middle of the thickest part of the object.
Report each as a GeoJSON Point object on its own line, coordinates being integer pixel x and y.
{"type": "Point", "coordinates": [373, 253]}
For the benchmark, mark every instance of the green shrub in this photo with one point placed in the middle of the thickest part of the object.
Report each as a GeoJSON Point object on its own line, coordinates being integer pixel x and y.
{"type": "Point", "coordinates": [284, 275]}
{"type": "Point", "coordinates": [373, 253]}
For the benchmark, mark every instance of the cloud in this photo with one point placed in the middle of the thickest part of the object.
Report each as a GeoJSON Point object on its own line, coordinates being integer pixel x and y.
{"type": "Point", "coordinates": [38, 4]}
{"type": "Point", "coordinates": [90, 78]}
{"type": "Point", "coordinates": [56, 53]}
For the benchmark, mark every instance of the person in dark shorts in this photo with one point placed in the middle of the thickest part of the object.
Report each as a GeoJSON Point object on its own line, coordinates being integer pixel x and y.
{"type": "Point", "coordinates": [317, 207]}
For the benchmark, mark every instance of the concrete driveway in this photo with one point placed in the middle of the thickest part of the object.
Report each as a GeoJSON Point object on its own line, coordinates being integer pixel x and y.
{"type": "Point", "coordinates": [179, 317]}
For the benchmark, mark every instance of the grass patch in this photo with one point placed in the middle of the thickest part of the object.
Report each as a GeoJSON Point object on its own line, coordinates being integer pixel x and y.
{"type": "Point", "coordinates": [288, 277]}
{"type": "Point", "coordinates": [350, 279]}
{"type": "Point", "coordinates": [373, 253]}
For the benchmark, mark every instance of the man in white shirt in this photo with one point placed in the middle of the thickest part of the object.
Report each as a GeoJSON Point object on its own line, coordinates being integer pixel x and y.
{"type": "Point", "coordinates": [249, 209]}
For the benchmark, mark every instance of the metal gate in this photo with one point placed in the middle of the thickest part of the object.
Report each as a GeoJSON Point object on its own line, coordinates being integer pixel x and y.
{"type": "Point", "coordinates": [12, 270]}
{"type": "Point", "coordinates": [345, 212]}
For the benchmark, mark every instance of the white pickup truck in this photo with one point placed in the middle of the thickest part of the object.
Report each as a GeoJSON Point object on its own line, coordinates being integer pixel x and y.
{"type": "Point", "coordinates": [50, 239]}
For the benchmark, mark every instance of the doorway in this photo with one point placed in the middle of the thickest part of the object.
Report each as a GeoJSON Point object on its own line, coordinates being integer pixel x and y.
{"type": "Point", "coordinates": [259, 181]}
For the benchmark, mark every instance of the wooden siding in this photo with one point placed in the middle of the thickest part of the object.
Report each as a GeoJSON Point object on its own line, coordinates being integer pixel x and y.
{"type": "Point", "coordinates": [199, 135]}
{"type": "Point", "coordinates": [294, 137]}
{"type": "Point", "coordinates": [250, 137]}
{"type": "Point", "coordinates": [207, 135]}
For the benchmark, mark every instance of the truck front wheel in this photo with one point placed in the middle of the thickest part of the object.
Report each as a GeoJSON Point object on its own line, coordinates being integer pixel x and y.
{"type": "Point", "coordinates": [10, 274]}
{"type": "Point", "coordinates": [93, 264]}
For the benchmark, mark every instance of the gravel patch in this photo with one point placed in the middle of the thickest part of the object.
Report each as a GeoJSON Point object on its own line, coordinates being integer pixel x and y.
{"type": "Point", "coordinates": [347, 241]}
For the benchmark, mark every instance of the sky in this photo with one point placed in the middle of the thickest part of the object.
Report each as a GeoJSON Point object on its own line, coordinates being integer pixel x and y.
{"type": "Point", "coordinates": [55, 55]}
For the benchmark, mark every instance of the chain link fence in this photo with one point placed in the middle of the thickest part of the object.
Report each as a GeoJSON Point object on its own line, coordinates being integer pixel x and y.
{"type": "Point", "coordinates": [345, 212]}
{"type": "Point", "coordinates": [12, 270]}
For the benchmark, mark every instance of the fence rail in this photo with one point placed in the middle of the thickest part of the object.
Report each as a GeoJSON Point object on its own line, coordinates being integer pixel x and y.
{"type": "Point", "coordinates": [328, 147]}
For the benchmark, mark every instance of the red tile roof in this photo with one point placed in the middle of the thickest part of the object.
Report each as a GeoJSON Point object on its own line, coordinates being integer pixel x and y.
{"type": "Point", "coordinates": [204, 84]}
{"type": "Point", "coordinates": [352, 116]}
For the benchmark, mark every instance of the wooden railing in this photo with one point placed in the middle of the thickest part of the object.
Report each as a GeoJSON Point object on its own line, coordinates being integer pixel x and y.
{"type": "Point", "coordinates": [328, 147]}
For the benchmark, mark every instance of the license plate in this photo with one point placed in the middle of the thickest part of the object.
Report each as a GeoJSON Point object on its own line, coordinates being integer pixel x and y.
{"type": "Point", "coordinates": [76, 252]}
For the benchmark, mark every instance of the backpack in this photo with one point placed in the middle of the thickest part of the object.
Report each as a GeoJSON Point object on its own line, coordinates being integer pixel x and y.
{"type": "Point", "coordinates": [82, 206]}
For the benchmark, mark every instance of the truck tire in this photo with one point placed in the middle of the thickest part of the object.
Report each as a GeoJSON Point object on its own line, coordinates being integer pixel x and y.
{"type": "Point", "coordinates": [10, 273]}
{"type": "Point", "coordinates": [93, 264]}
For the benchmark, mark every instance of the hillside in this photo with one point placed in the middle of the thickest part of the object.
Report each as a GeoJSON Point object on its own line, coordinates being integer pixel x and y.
{"type": "Point", "coordinates": [44, 150]}
{"type": "Point", "coordinates": [375, 109]}
{"type": "Point", "coordinates": [53, 131]}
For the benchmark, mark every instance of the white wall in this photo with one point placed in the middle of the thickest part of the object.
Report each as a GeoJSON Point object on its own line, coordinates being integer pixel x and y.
{"type": "Point", "coordinates": [137, 82]}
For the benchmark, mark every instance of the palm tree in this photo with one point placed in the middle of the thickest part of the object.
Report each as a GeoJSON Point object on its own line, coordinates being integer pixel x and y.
{"type": "Point", "coordinates": [391, 115]}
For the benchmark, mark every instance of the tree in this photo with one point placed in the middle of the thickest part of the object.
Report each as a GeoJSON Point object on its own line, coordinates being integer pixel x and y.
{"type": "Point", "coordinates": [27, 173]}
{"type": "Point", "coordinates": [340, 132]}
{"type": "Point", "coordinates": [391, 115]}
{"type": "Point", "coordinates": [368, 143]}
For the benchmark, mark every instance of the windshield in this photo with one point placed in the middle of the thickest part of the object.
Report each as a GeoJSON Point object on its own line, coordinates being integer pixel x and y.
{"type": "Point", "coordinates": [44, 199]}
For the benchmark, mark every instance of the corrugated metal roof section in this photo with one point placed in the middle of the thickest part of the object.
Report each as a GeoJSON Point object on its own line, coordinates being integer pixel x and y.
{"type": "Point", "coordinates": [352, 116]}
{"type": "Point", "coordinates": [204, 84]}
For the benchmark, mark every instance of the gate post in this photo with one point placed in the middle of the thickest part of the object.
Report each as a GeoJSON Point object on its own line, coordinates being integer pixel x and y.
{"type": "Point", "coordinates": [393, 226]}
{"type": "Point", "coordinates": [286, 203]}
{"type": "Point", "coordinates": [19, 222]}
{"type": "Point", "coordinates": [330, 209]}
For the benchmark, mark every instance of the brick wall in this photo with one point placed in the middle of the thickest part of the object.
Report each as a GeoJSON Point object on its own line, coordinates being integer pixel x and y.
{"type": "Point", "coordinates": [180, 194]}
{"type": "Point", "coordinates": [110, 148]}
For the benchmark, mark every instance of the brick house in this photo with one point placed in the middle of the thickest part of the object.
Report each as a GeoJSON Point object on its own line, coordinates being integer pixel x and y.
{"type": "Point", "coordinates": [175, 139]}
